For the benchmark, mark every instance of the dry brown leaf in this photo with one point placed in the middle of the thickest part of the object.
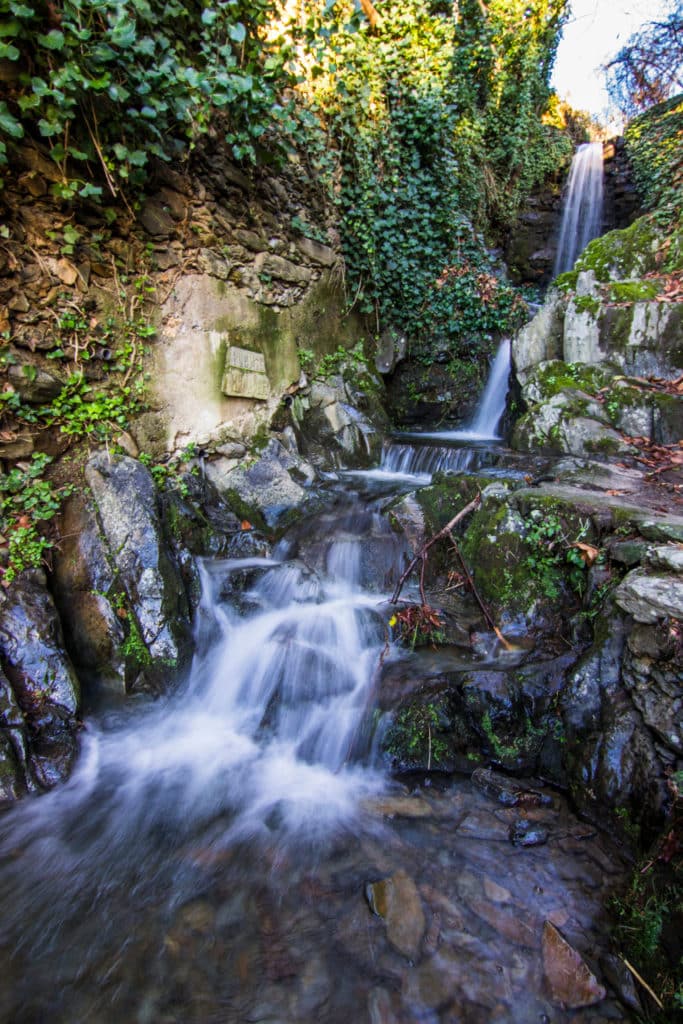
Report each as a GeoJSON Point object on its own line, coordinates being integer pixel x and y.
{"type": "Point", "coordinates": [588, 552]}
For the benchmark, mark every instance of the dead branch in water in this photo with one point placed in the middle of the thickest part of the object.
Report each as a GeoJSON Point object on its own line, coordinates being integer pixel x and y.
{"type": "Point", "coordinates": [421, 558]}
{"type": "Point", "coordinates": [421, 555]}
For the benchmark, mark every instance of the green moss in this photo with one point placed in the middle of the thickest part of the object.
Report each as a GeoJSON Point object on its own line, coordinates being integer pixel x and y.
{"type": "Point", "coordinates": [615, 326]}
{"type": "Point", "coordinates": [243, 510]}
{"type": "Point", "coordinates": [134, 648]}
{"type": "Point", "coordinates": [508, 749]}
{"type": "Point", "coordinates": [606, 445]}
{"type": "Point", "coordinates": [632, 291]}
{"type": "Point", "coordinates": [557, 377]}
{"type": "Point", "coordinates": [587, 304]}
{"type": "Point", "coordinates": [628, 252]}
{"type": "Point", "coordinates": [416, 734]}
{"type": "Point", "coordinates": [445, 496]}
{"type": "Point", "coordinates": [567, 282]}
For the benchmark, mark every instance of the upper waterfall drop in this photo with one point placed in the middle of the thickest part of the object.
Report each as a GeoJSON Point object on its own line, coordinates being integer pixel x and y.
{"type": "Point", "coordinates": [582, 213]}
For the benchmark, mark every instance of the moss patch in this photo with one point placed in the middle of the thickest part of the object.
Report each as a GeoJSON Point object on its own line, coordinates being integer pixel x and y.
{"type": "Point", "coordinates": [629, 252]}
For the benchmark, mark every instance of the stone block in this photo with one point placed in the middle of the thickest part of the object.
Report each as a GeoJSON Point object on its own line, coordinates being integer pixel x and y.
{"type": "Point", "coordinates": [245, 374]}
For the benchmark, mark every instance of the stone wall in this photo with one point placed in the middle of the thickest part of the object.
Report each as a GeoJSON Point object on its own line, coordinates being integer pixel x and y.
{"type": "Point", "coordinates": [229, 260]}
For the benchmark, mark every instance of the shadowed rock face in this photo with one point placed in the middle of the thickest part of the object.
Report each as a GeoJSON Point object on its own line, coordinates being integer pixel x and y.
{"type": "Point", "coordinates": [120, 593]}
{"type": "Point", "coordinates": [39, 691]}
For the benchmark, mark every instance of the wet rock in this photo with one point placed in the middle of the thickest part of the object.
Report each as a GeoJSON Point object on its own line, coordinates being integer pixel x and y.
{"type": "Point", "coordinates": [483, 825]}
{"type": "Point", "coordinates": [506, 791]}
{"type": "Point", "coordinates": [525, 833]}
{"type": "Point", "coordinates": [652, 675]}
{"type": "Point", "coordinates": [32, 648]}
{"type": "Point", "coordinates": [496, 893]}
{"type": "Point", "coordinates": [40, 703]}
{"type": "Point", "coordinates": [272, 485]}
{"type": "Point", "coordinates": [570, 981]}
{"type": "Point", "coordinates": [609, 755]}
{"type": "Point", "coordinates": [87, 596]}
{"type": "Point", "coordinates": [154, 604]}
{"type": "Point", "coordinates": [649, 597]}
{"type": "Point", "coordinates": [331, 430]}
{"type": "Point", "coordinates": [509, 921]}
{"type": "Point", "coordinates": [397, 901]}
{"type": "Point", "coordinates": [620, 978]}
{"type": "Point", "coordinates": [11, 776]}
{"type": "Point", "coordinates": [400, 807]}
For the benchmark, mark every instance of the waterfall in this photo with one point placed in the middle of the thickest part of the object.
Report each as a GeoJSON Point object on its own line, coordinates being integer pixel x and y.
{"type": "Point", "coordinates": [492, 403]}
{"type": "Point", "coordinates": [457, 450]}
{"type": "Point", "coordinates": [582, 213]}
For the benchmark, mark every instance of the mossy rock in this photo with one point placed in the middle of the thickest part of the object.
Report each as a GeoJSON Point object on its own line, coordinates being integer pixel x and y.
{"type": "Point", "coordinates": [625, 253]}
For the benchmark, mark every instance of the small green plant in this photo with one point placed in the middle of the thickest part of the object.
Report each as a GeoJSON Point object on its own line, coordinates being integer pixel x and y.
{"type": "Point", "coordinates": [133, 647]}
{"type": "Point", "coordinates": [413, 735]}
{"type": "Point", "coordinates": [528, 739]}
{"type": "Point", "coordinates": [306, 359]}
{"type": "Point", "coordinates": [164, 473]}
{"type": "Point", "coordinates": [28, 500]}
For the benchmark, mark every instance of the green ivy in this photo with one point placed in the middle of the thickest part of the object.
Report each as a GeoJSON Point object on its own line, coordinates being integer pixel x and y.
{"type": "Point", "coordinates": [109, 84]}
{"type": "Point", "coordinates": [653, 142]}
{"type": "Point", "coordinates": [28, 500]}
{"type": "Point", "coordinates": [437, 125]}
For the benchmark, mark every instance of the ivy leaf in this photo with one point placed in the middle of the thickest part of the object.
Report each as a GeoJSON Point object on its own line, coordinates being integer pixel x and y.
{"type": "Point", "coordinates": [49, 128]}
{"type": "Point", "coordinates": [9, 52]}
{"type": "Point", "coordinates": [209, 15]}
{"type": "Point", "coordinates": [21, 10]}
{"type": "Point", "coordinates": [123, 33]}
{"type": "Point", "coordinates": [54, 40]}
{"type": "Point", "coordinates": [242, 83]}
{"type": "Point", "coordinates": [146, 46]}
{"type": "Point", "coordinates": [9, 123]}
{"type": "Point", "coordinates": [237, 33]}
{"type": "Point", "coordinates": [89, 190]}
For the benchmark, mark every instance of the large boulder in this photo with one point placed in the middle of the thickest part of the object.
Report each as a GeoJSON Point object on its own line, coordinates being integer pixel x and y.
{"type": "Point", "coordinates": [609, 329]}
{"type": "Point", "coordinates": [119, 592]}
{"type": "Point", "coordinates": [337, 425]}
{"type": "Point", "coordinates": [266, 488]}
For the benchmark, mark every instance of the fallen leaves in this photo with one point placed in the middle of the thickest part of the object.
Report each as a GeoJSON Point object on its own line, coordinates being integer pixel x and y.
{"type": "Point", "coordinates": [587, 551]}
{"type": "Point", "coordinates": [658, 458]}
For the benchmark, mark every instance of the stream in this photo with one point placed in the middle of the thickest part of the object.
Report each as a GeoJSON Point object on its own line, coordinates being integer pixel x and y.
{"type": "Point", "coordinates": [217, 855]}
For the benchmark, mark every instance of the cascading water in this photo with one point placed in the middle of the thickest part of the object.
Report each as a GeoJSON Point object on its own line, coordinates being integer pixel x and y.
{"type": "Point", "coordinates": [453, 451]}
{"type": "Point", "coordinates": [582, 213]}
{"type": "Point", "coordinates": [207, 860]}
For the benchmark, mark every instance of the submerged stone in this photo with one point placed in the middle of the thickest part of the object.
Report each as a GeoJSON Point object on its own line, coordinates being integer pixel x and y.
{"type": "Point", "coordinates": [397, 901]}
{"type": "Point", "coordinates": [571, 983]}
